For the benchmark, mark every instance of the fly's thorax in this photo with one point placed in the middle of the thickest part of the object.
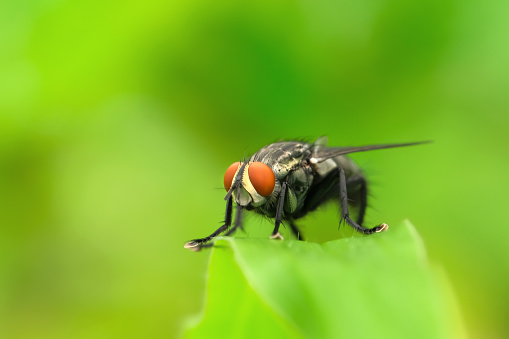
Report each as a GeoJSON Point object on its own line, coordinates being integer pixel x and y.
{"type": "Point", "coordinates": [299, 181]}
{"type": "Point", "coordinates": [282, 157]}
{"type": "Point", "coordinates": [325, 167]}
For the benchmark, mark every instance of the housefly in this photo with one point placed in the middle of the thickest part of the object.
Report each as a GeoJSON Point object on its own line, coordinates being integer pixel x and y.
{"type": "Point", "coordinates": [286, 180]}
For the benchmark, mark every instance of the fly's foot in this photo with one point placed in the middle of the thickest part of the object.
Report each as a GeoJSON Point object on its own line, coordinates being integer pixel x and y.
{"type": "Point", "coordinates": [193, 246]}
{"type": "Point", "coordinates": [277, 236]}
{"type": "Point", "coordinates": [381, 228]}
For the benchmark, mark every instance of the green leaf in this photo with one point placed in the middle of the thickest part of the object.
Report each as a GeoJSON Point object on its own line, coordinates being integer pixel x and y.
{"type": "Point", "coordinates": [378, 286]}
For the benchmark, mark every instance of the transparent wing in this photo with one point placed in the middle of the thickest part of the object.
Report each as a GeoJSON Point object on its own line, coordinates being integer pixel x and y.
{"type": "Point", "coordinates": [319, 145]}
{"type": "Point", "coordinates": [321, 152]}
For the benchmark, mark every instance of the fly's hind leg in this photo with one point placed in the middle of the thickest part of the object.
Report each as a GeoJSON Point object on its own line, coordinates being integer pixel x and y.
{"type": "Point", "coordinates": [358, 183]}
{"type": "Point", "coordinates": [343, 199]}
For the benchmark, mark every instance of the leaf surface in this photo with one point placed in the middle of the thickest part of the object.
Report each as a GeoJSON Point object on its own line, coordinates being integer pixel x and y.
{"type": "Point", "coordinates": [378, 286]}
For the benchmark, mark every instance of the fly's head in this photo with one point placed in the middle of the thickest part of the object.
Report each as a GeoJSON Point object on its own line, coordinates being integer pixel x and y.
{"type": "Point", "coordinates": [250, 183]}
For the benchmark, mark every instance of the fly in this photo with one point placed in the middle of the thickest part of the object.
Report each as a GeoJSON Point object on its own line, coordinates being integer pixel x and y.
{"type": "Point", "coordinates": [288, 179]}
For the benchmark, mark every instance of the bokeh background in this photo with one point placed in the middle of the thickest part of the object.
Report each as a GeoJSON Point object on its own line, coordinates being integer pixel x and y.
{"type": "Point", "coordinates": [118, 119]}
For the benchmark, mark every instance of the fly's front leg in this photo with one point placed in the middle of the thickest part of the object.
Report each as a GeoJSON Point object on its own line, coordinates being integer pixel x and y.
{"type": "Point", "coordinates": [196, 244]}
{"type": "Point", "coordinates": [279, 212]}
{"type": "Point", "coordinates": [343, 199]}
{"type": "Point", "coordinates": [237, 223]}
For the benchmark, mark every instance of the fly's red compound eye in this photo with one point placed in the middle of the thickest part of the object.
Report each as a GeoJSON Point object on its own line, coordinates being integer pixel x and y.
{"type": "Point", "coordinates": [262, 178]}
{"type": "Point", "coordinates": [230, 173]}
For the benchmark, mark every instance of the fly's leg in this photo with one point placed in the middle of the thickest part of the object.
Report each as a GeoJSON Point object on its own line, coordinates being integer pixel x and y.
{"type": "Point", "coordinates": [296, 231]}
{"type": "Point", "coordinates": [360, 182]}
{"type": "Point", "coordinates": [237, 223]}
{"type": "Point", "coordinates": [343, 199]}
{"type": "Point", "coordinates": [196, 244]}
{"type": "Point", "coordinates": [279, 212]}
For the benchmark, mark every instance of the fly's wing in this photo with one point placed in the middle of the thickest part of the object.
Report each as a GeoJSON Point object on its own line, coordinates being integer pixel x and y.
{"type": "Point", "coordinates": [319, 145]}
{"type": "Point", "coordinates": [321, 153]}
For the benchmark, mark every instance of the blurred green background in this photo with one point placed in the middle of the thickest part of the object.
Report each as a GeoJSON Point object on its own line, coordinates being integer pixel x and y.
{"type": "Point", "coordinates": [119, 118]}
